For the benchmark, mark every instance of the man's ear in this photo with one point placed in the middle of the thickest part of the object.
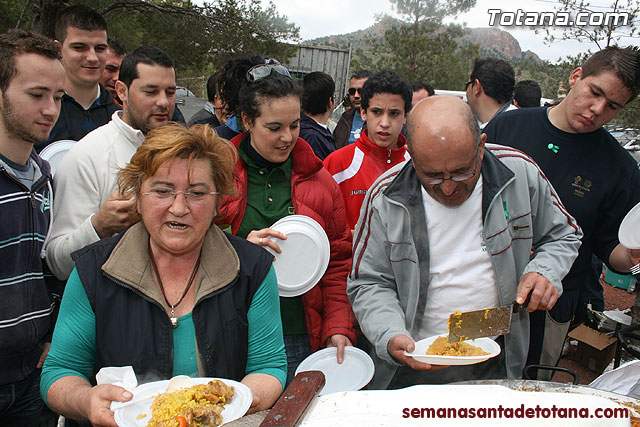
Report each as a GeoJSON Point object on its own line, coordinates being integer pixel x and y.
{"type": "Point", "coordinates": [122, 91]}
{"type": "Point", "coordinates": [575, 76]}
{"type": "Point", "coordinates": [477, 88]}
{"type": "Point", "coordinates": [363, 113]}
{"type": "Point", "coordinates": [330, 104]}
{"type": "Point", "coordinates": [483, 140]}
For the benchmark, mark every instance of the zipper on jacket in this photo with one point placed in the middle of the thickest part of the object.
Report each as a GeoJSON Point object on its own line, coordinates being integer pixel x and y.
{"type": "Point", "coordinates": [32, 196]}
{"type": "Point", "coordinates": [389, 157]}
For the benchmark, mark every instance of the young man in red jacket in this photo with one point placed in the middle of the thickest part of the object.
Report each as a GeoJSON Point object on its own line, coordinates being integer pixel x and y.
{"type": "Point", "coordinates": [386, 101]}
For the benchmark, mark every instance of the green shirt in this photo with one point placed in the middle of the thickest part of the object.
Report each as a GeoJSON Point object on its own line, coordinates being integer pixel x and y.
{"type": "Point", "coordinates": [185, 361]}
{"type": "Point", "coordinates": [268, 200]}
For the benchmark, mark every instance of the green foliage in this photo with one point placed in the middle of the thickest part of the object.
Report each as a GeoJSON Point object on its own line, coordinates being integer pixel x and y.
{"type": "Point", "coordinates": [427, 53]}
{"type": "Point", "coordinates": [606, 34]}
{"type": "Point", "coordinates": [429, 11]}
{"type": "Point", "coordinates": [198, 38]}
{"type": "Point", "coordinates": [629, 116]}
{"type": "Point", "coordinates": [551, 77]}
{"type": "Point", "coordinates": [419, 47]}
{"type": "Point", "coordinates": [240, 26]}
{"type": "Point", "coordinates": [10, 13]}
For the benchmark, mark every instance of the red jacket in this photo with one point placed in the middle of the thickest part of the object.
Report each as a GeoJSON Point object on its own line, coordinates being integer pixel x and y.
{"type": "Point", "coordinates": [356, 166]}
{"type": "Point", "coordinates": [314, 194]}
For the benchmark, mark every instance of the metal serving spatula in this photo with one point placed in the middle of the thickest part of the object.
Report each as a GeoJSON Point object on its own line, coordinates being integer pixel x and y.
{"type": "Point", "coordinates": [481, 323]}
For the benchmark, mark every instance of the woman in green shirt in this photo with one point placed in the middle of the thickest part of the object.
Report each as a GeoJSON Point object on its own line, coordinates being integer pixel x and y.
{"type": "Point", "coordinates": [277, 174]}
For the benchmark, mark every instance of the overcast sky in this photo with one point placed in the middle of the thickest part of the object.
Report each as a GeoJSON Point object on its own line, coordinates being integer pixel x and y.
{"type": "Point", "coordinates": [317, 18]}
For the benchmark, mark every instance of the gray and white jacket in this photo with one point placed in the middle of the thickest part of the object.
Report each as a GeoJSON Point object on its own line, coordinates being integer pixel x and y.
{"type": "Point", "coordinates": [389, 280]}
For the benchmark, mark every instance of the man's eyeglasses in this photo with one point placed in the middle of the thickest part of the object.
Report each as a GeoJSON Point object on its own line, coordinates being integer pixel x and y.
{"type": "Point", "coordinates": [466, 85]}
{"type": "Point", "coordinates": [455, 178]}
{"type": "Point", "coordinates": [262, 71]}
{"type": "Point", "coordinates": [353, 90]}
{"type": "Point", "coordinates": [166, 196]}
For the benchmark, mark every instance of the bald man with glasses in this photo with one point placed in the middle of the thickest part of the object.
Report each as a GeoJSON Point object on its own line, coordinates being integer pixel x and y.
{"type": "Point", "coordinates": [453, 229]}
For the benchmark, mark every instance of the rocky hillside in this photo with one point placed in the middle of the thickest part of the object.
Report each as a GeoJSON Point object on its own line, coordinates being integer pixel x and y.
{"type": "Point", "coordinates": [492, 41]}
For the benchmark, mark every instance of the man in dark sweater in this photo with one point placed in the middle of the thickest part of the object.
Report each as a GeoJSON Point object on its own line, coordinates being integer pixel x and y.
{"type": "Point", "coordinates": [596, 179]}
{"type": "Point", "coordinates": [317, 106]}
{"type": "Point", "coordinates": [82, 35]}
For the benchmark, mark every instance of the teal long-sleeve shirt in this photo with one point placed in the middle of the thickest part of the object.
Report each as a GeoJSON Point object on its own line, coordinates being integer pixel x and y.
{"type": "Point", "coordinates": [73, 346]}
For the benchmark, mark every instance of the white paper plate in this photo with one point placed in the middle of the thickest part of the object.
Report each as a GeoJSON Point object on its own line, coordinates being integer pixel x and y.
{"type": "Point", "coordinates": [487, 344]}
{"type": "Point", "coordinates": [629, 231]}
{"type": "Point", "coordinates": [304, 257]}
{"type": "Point", "coordinates": [355, 371]}
{"type": "Point", "coordinates": [128, 415]}
{"type": "Point", "coordinates": [618, 316]}
{"type": "Point", "coordinates": [55, 151]}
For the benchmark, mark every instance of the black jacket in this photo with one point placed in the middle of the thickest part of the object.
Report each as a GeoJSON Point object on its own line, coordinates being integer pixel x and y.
{"type": "Point", "coordinates": [319, 138]}
{"type": "Point", "coordinates": [133, 329]}
{"type": "Point", "coordinates": [75, 122]}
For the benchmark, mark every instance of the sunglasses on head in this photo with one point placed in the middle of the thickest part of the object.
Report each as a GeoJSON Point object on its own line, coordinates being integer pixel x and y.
{"type": "Point", "coordinates": [353, 90]}
{"type": "Point", "coordinates": [262, 71]}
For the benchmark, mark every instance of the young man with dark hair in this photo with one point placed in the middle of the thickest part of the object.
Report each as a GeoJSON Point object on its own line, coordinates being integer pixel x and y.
{"type": "Point", "coordinates": [317, 106]}
{"type": "Point", "coordinates": [386, 100]}
{"type": "Point", "coordinates": [88, 206]}
{"type": "Point", "coordinates": [213, 112]}
{"type": "Point", "coordinates": [115, 54]}
{"type": "Point", "coordinates": [490, 88]}
{"type": "Point", "coordinates": [350, 124]}
{"type": "Point", "coordinates": [82, 35]}
{"type": "Point", "coordinates": [421, 90]}
{"type": "Point", "coordinates": [31, 87]}
{"type": "Point", "coordinates": [527, 94]}
{"type": "Point", "coordinates": [596, 179]}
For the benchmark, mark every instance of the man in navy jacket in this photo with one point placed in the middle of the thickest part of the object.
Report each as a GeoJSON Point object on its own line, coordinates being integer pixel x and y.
{"type": "Point", "coordinates": [317, 106]}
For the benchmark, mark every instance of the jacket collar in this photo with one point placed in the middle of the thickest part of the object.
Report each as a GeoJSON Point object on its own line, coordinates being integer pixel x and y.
{"type": "Point", "coordinates": [104, 98]}
{"type": "Point", "coordinates": [380, 153]}
{"type": "Point", "coordinates": [134, 136]}
{"type": "Point", "coordinates": [43, 169]}
{"type": "Point", "coordinates": [129, 263]}
{"type": "Point", "coordinates": [305, 162]}
{"type": "Point", "coordinates": [406, 187]}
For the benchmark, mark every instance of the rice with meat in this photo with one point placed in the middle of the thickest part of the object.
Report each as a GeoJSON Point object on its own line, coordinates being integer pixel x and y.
{"type": "Point", "coordinates": [200, 405]}
{"type": "Point", "coordinates": [442, 347]}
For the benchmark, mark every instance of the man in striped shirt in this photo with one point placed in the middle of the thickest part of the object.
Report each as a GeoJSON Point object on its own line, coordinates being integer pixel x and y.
{"type": "Point", "coordinates": [31, 88]}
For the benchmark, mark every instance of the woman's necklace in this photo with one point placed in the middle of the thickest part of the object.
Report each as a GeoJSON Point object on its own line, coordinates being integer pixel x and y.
{"type": "Point", "coordinates": [173, 318]}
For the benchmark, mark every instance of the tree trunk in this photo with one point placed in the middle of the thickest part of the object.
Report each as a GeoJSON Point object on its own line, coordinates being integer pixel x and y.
{"type": "Point", "coordinates": [45, 13]}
